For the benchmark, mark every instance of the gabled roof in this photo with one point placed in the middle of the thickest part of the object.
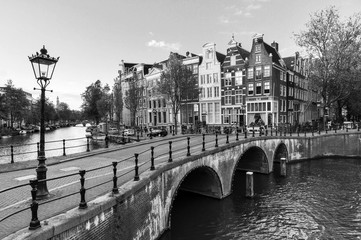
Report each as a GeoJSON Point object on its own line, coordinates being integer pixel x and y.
{"type": "Point", "coordinates": [276, 58]}
{"type": "Point", "coordinates": [243, 52]}
{"type": "Point", "coordinates": [220, 57]}
{"type": "Point", "coordinates": [289, 61]}
{"type": "Point", "coordinates": [129, 65]}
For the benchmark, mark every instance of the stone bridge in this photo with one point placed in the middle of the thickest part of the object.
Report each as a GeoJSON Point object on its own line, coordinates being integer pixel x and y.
{"type": "Point", "coordinates": [142, 209]}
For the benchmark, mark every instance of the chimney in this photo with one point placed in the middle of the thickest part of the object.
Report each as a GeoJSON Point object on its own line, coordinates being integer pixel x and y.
{"type": "Point", "coordinates": [275, 45]}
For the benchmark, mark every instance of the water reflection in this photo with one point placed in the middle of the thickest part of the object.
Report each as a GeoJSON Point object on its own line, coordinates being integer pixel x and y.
{"type": "Point", "coordinates": [319, 199]}
{"type": "Point", "coordinates": [25, 145]}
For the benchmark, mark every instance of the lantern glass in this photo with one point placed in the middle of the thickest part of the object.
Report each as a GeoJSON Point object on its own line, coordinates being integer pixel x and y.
{"type": "Point", "coordinates": [43, 69]}
{"type": "Point", "coordinates": [43, 65]}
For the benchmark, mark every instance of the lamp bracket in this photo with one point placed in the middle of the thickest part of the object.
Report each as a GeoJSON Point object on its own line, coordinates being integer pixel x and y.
{"type": "Point", "coordinates": [44, 89]}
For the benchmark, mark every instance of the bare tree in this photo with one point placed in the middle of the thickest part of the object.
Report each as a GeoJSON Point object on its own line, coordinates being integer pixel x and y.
{"type": "Point", "coordinates": [118, 100]}
{"type": "Point", "coordinates": [132, 96]}
{"type": "Point", "coordinates": [176, 83]}
{"type": "Point", "coordinates": [334, 47]}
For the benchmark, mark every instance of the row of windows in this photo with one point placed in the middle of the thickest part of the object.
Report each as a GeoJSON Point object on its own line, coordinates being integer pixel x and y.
{"type": "Point", "coordinates": [157, 117]}
{"type": "Point", "coordinates": [266, 88]}
{"type": "Point", "coordinates": [266, 72]}
{"type": "Point", "coordinates": [283, 106]}
{"type": "Point", "coordinates": [157, 103]}
{"type": "Point", "coordinates": [211, 92]}
{"type": "Point", "coordinates": [193, 68]}
{"type": "Point", "coordinates": [231, 115]}
{"type": "Point", "coordinates": [238, 78]}
{"type": "Point", "coordinates": [209, 78]}
{"type": "Point", "coordinates": [297, 93]}
{"type": "Point", "coordinates": [259, 107]}
{"type": "Point", "coordinates": [238, 97]}
{"type": "Point", "coordinates": [210, 110]}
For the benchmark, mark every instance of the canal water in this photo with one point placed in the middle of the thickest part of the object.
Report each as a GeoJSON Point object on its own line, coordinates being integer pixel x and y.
{"type": "Point", "coordinates": [319, 199]}
{"type": "Point", "coordinates": [25, 147]}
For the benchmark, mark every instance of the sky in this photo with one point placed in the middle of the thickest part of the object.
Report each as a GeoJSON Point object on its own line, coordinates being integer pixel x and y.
{"type": "Point", "coordinates": [91, 37]}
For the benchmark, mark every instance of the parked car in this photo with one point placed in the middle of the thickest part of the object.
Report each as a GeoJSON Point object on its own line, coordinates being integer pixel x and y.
{"type": "Point", "coordinates": [113, 130]}
{"type": "Point", "coordinates": [349, 125]}
{"type": "Point", "coordinates": [161, 132]}
{"type": "Point", "coordinates": [128, 132]}
{"type": "Point", "coordinates": [256, 129]}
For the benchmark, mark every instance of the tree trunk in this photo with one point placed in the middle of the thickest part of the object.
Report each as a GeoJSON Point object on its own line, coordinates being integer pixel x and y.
{"type": "Point", "coordinates": [132, 120]}
{"type": "Point", "coordinates": [175, 122]}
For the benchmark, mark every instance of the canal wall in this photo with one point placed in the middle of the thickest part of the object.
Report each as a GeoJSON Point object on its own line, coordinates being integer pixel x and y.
{"type": "Point", "coordinates": [142, 208]}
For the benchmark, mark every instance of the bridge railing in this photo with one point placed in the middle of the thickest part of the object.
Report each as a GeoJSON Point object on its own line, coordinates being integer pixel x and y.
{"type": "Point", "coordinates": [107, 177]}
{"type": "Point", "coordinates": [29, 152]}
{"type": "Point", "coordinates": [143, 161]}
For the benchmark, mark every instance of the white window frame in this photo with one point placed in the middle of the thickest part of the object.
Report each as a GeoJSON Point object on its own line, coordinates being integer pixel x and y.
{"type": "Point", "coordinates": [250, 73]}
{"type": "Point", "coordinates": [228, 97]}
{"type": "Point", "coordinates": [250, 88]}
{"type": "Point", "coordinates": [267, 71]}
{"type": "Point", "coordinates": [228, 79]}
{"type": "Point", "coordinates": [215, 77]}
{"type": "Point", "coordinates": [259, 73]}
{"type": "Point", "coordinates": [238, 78]}
{"type": "Point", "coordinates": [266, 87]}
{"type": "Point", "coordinates": [259, 85]}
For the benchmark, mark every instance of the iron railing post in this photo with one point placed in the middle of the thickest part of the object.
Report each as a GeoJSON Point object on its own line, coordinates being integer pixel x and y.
{"type": "Point", "coordinates": [136, 168]}
{"type": "Point", "coordinates": [188, 147]}
{"type": "Point", "coordinates": [64, 154]}
{"type": "Point", "coordinates": [170, 152]}
{"type": "Point", "coordinates": [115, 179]}
{"type": "Point", "coordinates": [152, 158]}
{"type": "Point", "coordinates": [12, 153]}
{"type": "Point", "coordinates": [203, 143]}
{"type": "Point", "coordinates": [82, 204]}
{"type": "Point", "coordinates": [87, 145]}
{"type": "Point", "coordinates": [35, 223]}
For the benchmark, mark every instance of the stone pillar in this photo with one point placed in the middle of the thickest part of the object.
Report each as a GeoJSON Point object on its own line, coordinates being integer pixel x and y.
{"type": "Point", "coordinates": [283, 167]}
{"type": "Point", "coordinates": [249, 185]}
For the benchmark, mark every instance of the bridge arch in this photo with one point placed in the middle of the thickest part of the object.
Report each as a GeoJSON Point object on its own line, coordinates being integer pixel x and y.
{"type": "Point", "coordinates": [280, 151]}
{"type": "Point", "coordinates": [202, 180]}
{"type": "Point", "coordinates": [253, 159]}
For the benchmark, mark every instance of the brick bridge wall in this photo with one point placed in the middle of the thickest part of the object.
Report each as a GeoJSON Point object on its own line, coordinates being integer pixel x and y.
{"type": "Point", "coordinates": [142, 208]}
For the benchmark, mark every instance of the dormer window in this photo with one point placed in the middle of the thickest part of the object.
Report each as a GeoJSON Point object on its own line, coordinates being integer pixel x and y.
{"type": "Point", "coordinates": [258, 48]}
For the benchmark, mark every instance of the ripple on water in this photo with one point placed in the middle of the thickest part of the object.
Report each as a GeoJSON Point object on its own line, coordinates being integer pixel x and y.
{"type": "Point", "coordinates": [318, 200]}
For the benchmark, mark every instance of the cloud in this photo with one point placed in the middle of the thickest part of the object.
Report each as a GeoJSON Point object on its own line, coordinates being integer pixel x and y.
{"type": "Point", "coordinates": [164, 45]}
{"type": "Point", "coordinates": [224, 20]}
{"type": "Point", "coordinates": [151, 33]}
{"type": "Point", "coordinates": [253, 7]}
{"type": "Point", "coordinates": [247, 7]}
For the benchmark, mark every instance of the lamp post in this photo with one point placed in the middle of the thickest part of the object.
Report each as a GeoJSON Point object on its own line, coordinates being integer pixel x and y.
{"type": "Point", "coordinates": [43, 67]}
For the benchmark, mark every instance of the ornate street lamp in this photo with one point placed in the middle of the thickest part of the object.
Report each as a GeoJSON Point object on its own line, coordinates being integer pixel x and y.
{"type": "Point", "coordinates": [43, 67]}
